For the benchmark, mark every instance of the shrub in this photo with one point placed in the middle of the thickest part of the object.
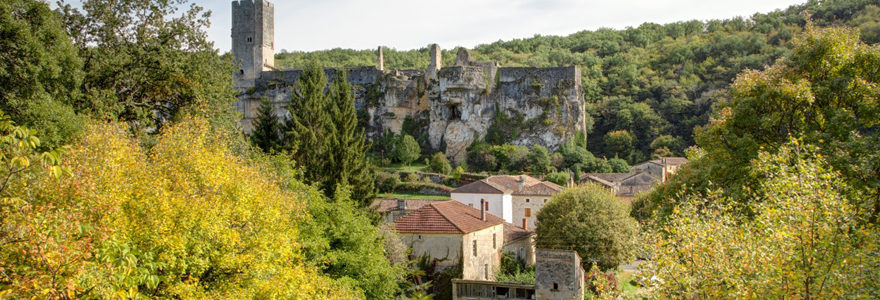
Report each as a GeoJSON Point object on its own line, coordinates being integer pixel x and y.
{"type": "Point", "coordinates": [618, 165]}
{"type": "Point", "coordinates": [386, 181]}
{"type": "Point", "coordinates": [560, 178]}
{"type": "Point", "coordinates": [440, 164]}
{"type": "Point", "coordinates": [602, 285]}
{"type": "Point", "coordinates": [406, 150]}
{"type": "Point", "coordinates": [590, 220]}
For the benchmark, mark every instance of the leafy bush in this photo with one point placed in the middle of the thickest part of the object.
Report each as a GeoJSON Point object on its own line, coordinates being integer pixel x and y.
{"type": "Point", "coordinates": [590, 220]}
{"type": "Point", "coordinates": [602, 285]}
{"type": "Point", "coordinates": [406, 150]}
{"type": "Point", "coordinates": [440, 164]}
{"type": "Point", "coordinates": [618, 165]}
{"type": "Point", "coordinates": [386, 181]}
{"type": "Point", "coordinates": [560, 178]}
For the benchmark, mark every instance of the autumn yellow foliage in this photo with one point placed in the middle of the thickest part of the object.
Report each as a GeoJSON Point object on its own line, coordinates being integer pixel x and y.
{"type": "Point", "coordinates": [184, 219]}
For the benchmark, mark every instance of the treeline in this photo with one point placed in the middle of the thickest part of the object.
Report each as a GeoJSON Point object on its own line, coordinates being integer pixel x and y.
{"type": "Point", "coordinates": [124, 173]}
{"type": "Point", "coordinates": [647, 87]}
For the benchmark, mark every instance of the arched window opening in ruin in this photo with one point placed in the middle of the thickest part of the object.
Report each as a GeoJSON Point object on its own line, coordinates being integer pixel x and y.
{"type": "Point", "coordinates": [454, 112]}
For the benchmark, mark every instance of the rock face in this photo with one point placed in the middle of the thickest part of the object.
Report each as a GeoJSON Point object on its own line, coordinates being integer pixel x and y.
{"type": "Point", "coordinates": [460, 104]}
{"type": "Point", "coordinates": [452, 107]}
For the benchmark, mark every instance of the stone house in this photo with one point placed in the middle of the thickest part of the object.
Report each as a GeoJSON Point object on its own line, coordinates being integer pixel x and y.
{"type": "Point", "coordinates": [520, 242]}
{"type": "Point", "coordinates": [451, 232]}
{"type": "Point", "coordinates": [662, 168]}
{"type": "Point", "coordinates": [558, 276]}
{"type": "Point", "coordinates": [625, 186]}
{"type": "Point", "coordinates": [516, 199]}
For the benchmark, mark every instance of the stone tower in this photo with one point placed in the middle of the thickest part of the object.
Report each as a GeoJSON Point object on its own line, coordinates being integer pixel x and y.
{"type": "Point", "coordinates": [436, 62]}
{"type": "Point", "coordinates": [253, 39]}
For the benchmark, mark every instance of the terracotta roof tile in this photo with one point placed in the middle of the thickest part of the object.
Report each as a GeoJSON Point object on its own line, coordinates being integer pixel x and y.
{"type": "Point", "coordinates": [445, 217]}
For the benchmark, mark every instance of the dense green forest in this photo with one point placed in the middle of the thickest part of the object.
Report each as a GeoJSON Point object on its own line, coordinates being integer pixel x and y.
{"type": "Point", "coordinates": [646, 87]}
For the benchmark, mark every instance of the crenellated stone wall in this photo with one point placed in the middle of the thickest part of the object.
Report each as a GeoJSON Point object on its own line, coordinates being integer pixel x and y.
{"type": "Point", "coordinates": [459, 103]}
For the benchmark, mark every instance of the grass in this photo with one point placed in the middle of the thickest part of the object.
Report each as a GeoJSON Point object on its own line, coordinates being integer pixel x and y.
{"type": "Point", "coordinates": [413, 167]}
{"type": "Point", "coordinates": [412, 196]}
{"type": "Point", "coordinates": [629, 290]}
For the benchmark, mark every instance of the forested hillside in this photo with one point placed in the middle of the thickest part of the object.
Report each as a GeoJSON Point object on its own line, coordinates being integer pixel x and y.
{"type": "Point", "coordinates": [646, 87]}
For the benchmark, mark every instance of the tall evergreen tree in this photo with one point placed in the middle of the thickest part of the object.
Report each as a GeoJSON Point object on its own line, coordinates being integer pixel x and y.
{"type": "Point", "coordinates": [347, 164]}
{"type": "Point", "coordinates": [267, 129]}
{"type": "Point", "coordinates": [309, 126]}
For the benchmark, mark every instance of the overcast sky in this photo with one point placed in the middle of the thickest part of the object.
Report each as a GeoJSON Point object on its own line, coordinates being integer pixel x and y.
{"type": "Point", "coordinates": [305, 25]}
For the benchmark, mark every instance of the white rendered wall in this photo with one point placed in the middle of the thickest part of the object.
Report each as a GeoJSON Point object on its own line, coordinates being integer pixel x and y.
{"type": "Point", "coordinates": [496, 203]}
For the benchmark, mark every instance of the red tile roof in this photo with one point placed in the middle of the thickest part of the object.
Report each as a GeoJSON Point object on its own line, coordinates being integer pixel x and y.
{"type": "Point", "coordinates": [445, 217]}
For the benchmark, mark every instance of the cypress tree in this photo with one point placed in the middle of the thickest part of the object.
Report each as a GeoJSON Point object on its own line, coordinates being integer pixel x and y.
{"type": "Point", "coordinates": [347, 164]}
{"type": "Point", "coordinates": [309, 125]}
{"type": "Point", "coordinates": [267, 129]}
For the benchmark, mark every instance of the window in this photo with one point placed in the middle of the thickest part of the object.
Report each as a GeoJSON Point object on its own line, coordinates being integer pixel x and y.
{"type": "Point", "coordinates": [524, 223]}
{"type": "Point", "coordinates": [241, 72]}
{"type": "Point", "coordinates": [555, 286]}
{"type": "Point", "coordinates": [486, 271]}
{"type": "Point", "coordinates": [475, 248]}
{"type": "Point", "coordinates": [250, 39]}
{"type": "Point", "coordinates": [493, 241]}
{"type": "Point", "coordinates": [528, 212]}
{"type": "Point", "coordinates": [527, 200]}
{"type": "Point", "coordinates": [487, 205]}
{"type": "Point", "coordinates": [545, 200]}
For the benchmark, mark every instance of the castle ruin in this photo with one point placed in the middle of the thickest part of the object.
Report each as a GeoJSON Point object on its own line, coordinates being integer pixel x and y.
{"type": "Point", "coordinates": [459, 104]}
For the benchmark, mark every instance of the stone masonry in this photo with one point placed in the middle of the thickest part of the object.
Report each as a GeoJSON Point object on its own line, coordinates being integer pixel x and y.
{"type": "Point", "coordinates": [459, 103]}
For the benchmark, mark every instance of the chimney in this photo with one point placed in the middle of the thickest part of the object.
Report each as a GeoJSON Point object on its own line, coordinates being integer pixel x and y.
{"type": "Point", "coordinates": [483, 209]}
{"type": "Point", "coordinates": [522, 182]}
{"type": "Point", "coordinates": [401, 204]}
{"type": "Point", "coordinates": [381, 64]}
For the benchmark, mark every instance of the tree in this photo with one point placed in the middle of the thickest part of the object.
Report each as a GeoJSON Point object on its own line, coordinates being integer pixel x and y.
{"type": "Point", "coordinates": [148, 64]}
{"type": "Point", "coordinates": [347, 165]}
{"type": "Point", "coordinates": [808, 239]}
{"type": "Point", "coordinates": [618, 143]}
{"type": "Point", "coordinates": [406, 150]}
{"type": "Point", "coordinates": [141, 223]}
{"type": "Point", "coordinates": [342, 242]}
{"type": "Point", "coordinates": [440, 164]}
{"type": "Point", "coordinates": [560, 178]}
{"type": "Point", "coordinates": [40, 72]}
{"type": "Point", "coordinates": [539, 159]}
{"type": "Point", "coordinates": [590, 220]}
{"type": "Point", "coordinates": [309, 128]}
{"type": "Point", "coordinates": [267, 130]}
{"type": "Point", "coordinates": [618, 165]}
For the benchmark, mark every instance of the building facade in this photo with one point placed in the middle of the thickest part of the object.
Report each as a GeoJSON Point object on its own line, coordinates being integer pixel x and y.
{"type": "Point", "coordinates": [517, 199]}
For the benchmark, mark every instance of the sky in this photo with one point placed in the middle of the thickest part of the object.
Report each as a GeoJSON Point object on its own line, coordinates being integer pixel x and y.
{"type": "Point", "coordinates": [307, 25]}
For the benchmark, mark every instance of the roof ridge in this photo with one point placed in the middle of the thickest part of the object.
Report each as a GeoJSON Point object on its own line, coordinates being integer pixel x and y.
{"type": "Point", "coordinates": [434, 206]}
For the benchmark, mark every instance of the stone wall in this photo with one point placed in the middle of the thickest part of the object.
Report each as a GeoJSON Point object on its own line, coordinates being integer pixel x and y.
{"type": "Point", "coordinates": [558, 275]}
{"type": "Point", "coordinates": [459, 103]}
{"type": "Point", "coordinates": [485, 263]}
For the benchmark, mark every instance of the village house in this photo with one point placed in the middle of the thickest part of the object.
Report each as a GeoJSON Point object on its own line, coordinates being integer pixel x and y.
{"type": "Point", "coordinates": [451, 232]}
{"type": "Point", "coordinates": [642, 178]}
{"type": "Point", "coordinates": [662, 168]}
{"type": "Point", "coordinates": [516, 199]}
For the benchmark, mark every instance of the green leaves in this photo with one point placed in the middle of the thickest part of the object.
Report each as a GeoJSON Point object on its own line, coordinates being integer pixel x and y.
{"type": "Point", "coordinates": [590, 220]}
